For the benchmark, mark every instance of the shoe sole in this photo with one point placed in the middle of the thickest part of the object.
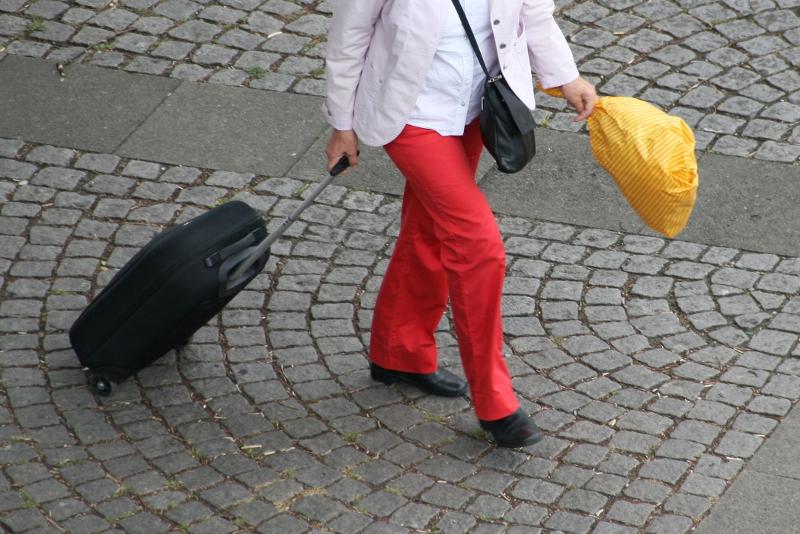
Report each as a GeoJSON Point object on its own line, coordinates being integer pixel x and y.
{"type": "Point", "coordinates": [390, 379]}
{"type": "Point", "coordinates": [536, 438]}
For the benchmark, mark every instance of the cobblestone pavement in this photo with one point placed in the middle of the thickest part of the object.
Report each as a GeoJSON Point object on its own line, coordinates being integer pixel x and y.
{"type": "Point", "coordinates": [730, 68]}
{"type": "Point", "coordinates": [656, 369]}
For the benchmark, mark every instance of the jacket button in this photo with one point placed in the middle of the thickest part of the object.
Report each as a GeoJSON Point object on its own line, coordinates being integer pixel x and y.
{"type": "Point", "coordinates": [496, 22]}
{"type": "Point", "coordinates": [502, 45]}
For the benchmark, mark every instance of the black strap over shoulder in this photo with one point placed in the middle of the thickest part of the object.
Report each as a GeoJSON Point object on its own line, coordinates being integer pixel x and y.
{"type": "Point", "coordinates": [506, 122]}
{"type": "Point", "coordinates": [471, 36]}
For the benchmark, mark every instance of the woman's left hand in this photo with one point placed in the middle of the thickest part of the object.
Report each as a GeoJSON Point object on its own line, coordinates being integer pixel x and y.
{"type": "Point", "coordinates": [581, 95]}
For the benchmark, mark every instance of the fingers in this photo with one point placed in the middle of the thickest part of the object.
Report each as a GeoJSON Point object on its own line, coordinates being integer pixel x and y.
{"type": "Point", "coordinates": [584, 112]}
{"type": "Point", "coordinates": [332, 160]}
{"type": "Point", "coordinates": [581, 96]}
{"type": "Point", "coordinates": [578, 104]}
{"type": "Point", "coordinates": [353, 158]}
{"type": "Point", "coordinates": [585, 105]}
{"type": "Point", "coordinates": [581, 117]}
{"type": "Point", "coordinates": [342, 144]}
{"type": "Point", "coordinates": [591, 100]}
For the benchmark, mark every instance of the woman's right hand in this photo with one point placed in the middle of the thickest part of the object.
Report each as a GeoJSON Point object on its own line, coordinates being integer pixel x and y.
{"type": "Point", "coordinates": [342, 142]}
{"type": "Point", "coordinates": [581, 95]}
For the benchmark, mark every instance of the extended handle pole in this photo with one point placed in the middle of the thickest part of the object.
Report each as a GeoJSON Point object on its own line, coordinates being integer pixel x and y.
{"type": "Point", "coordinates": [262, 247]}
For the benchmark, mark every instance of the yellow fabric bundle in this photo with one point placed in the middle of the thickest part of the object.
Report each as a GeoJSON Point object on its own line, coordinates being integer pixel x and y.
{"type": "Point", "coordinates": [651, 157]}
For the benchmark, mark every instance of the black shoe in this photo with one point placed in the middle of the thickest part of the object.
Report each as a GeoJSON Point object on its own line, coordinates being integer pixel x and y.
{"type": "Point", "coordinates": [515, 430]}
{"type": "Point", "coordinates": [442, 382]}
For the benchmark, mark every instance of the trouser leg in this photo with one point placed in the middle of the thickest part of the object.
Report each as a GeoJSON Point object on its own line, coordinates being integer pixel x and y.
{"type": "Point", "coordinates": [441, 173]}
{"type": "Point", "coordinates": [413, 296]}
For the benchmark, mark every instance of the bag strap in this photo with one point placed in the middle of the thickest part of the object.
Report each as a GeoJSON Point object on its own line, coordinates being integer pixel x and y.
{"type": "Point", "coordinates": [471, 36]}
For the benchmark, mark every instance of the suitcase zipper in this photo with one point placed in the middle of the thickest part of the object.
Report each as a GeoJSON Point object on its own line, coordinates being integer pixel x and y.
{"type": "Point", "coordinates": [193, 253]}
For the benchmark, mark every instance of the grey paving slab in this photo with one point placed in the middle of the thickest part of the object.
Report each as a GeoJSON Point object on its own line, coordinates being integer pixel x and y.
{"type": "Point", "coordinates": [229, 128]}
{"type": "Point", "coordinates": [91, 108]}
{"type": "Point", "coordinates": [778, 456]}
{"type": "Point", "coordinates": [766, 488]}
{"type": "Point", "coordinates": [756, 503]}
{"type": "Point", "coordinates": [730, 69]}
{"type": "Point", "coordinates": [747, 204]}
{"type": "Point", "coordinates": [741, 203]}
{"type": "Point", "coordinates": [563, 183]}
{"type": "Point", "coordinates": [375, 171]}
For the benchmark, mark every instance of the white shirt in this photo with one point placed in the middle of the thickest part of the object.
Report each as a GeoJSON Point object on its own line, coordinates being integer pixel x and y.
{"type": "Point", "coordinates": [451, 96]}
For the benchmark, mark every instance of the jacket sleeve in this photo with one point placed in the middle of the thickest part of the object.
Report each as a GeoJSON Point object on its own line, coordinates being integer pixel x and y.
{"type": "Point", "coordinates": [348, 40]}
{"type": "Point", "coordinates": [549, 52]}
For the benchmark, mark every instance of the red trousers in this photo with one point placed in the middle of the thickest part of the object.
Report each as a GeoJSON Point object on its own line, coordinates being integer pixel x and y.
{"type": "Point", "coordinates": [449, 245]}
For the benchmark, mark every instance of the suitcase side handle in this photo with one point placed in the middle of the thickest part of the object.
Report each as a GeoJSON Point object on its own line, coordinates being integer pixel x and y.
{"type": "Point", "coordinates": [256, 256]}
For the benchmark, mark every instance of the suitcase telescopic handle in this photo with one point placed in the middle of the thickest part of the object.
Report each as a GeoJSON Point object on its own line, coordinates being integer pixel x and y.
{"type": "Point", "coordinates": [254, 254]}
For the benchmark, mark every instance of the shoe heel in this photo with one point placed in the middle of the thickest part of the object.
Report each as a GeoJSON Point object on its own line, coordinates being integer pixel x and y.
{"type": "Point", "coordinates": [379, 375]}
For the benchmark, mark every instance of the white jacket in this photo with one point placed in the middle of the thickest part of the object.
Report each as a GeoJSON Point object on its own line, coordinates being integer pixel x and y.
{"type": "Point", "coordinates": [379, 52]}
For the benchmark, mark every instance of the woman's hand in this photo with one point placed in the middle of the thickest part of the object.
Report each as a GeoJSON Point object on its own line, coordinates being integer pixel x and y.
{"type": "Point", "coordinates": [342, 142]}
{"type": "Point", "coordinates": [581, 95]}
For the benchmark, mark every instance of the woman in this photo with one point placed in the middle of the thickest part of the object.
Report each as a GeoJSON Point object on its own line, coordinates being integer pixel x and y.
{"type": "Point", "coordinates": [401, 74]}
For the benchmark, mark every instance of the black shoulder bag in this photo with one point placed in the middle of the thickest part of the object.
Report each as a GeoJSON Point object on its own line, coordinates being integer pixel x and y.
{"type": "Point", "coordinates": [506, 123]}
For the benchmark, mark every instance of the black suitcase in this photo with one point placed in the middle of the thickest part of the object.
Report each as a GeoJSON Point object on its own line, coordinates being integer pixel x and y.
{"type": "Point", "coordinates": [182, 278]}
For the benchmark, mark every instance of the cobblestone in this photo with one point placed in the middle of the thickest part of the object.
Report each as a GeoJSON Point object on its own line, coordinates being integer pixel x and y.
{"type": "Point", "coordinates": [280, 410]}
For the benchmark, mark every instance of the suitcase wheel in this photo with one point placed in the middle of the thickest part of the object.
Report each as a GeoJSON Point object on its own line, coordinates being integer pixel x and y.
{"type": "Point", "coordinates": [101, 384]}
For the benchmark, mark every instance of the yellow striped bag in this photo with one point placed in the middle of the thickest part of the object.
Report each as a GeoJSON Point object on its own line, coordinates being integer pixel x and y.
{"type": "Point", "coordinates": [651, 157]}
